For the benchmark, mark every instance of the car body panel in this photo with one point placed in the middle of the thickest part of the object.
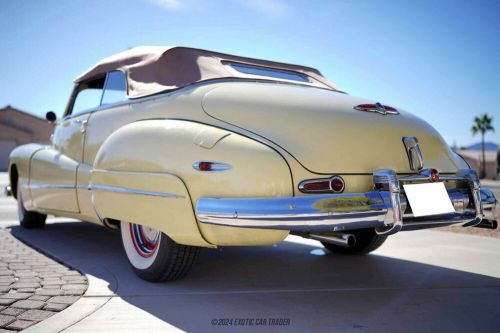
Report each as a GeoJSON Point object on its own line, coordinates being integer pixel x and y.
{"type": "Point", "coordinates": [329, 136]}
{"type": "Point", "coordinates": [52, 181]}
{"type": "Point", "coordinates": [157, 200]}
{"type": "Point", "coordinates": [20, 158]}
{"type": "Point", "coordinates": [177, 139]}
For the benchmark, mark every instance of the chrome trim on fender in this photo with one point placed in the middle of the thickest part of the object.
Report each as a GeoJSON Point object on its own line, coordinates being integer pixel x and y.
{"type": "Point", "coordinates": [215, 166]}
{"type": "Point", "coordinates": [44, 186]}
{"type": "Point", "coordinates": [97, 187]}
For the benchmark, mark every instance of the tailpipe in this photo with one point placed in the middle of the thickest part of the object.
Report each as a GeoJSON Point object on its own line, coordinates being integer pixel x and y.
{"type": "Point", "coordinates": [487, 224]}
{"type": "Point", "coordinates": [336, 238]}
{"type": "Point", "coordinates": [7, 191]}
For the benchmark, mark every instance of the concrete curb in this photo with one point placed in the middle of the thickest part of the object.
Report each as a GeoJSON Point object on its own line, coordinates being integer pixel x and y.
{"type": "Point", "coordinates": [81, 309]}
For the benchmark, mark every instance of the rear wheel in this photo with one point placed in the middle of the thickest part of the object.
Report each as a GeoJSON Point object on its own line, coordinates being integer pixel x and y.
{"type": "Point", "coordinates": [27, 219]}
{"type": "Point", "coordinates": [367, 241]}
{"type": "Point", "coordinates": [154, 256]}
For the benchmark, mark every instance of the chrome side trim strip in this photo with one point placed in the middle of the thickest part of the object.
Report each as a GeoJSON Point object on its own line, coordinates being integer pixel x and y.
{"type": "Point", "coordinates": [96, 187]}
{"type": "Point", "coordinates": [93, 187]}
{"type": "Point", "coordinates": [40, 186]}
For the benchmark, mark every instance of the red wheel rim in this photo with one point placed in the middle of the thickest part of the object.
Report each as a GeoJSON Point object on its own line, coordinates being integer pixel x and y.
{"type": "Point", "coordinates": [145, 242]}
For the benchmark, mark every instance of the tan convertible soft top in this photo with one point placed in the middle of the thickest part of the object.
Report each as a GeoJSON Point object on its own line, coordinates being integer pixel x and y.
{"type": "Point", "coordinates": [153, 69]}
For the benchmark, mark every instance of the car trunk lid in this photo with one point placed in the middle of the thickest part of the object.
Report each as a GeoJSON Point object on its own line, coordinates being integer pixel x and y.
{"type": "Point", "coordinates": [323, 131]}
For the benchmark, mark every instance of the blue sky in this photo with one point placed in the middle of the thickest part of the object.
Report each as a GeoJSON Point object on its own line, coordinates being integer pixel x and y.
{"type": "Point", "coordinates": [437, 59]}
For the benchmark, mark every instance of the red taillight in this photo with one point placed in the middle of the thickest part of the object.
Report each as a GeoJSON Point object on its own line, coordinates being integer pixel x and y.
{"type": "Point", "coordinates": [205, 166]}
{"type": "Point", "coordinates": [434, 175]}
{"type": "Point", "coordinates": [337, 184]}
{"type": "Point", "coordinates": [334, 184]}
{"type": "Point", "coordinates": [323, 185]}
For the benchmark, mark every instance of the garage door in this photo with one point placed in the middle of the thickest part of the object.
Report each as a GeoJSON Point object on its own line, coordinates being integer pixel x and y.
{"type": "Point", "coordinates": [6, 146]}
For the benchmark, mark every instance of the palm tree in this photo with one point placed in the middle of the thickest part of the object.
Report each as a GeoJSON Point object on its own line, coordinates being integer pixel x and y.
{"type": "Point", "coordinates": [482, 124]}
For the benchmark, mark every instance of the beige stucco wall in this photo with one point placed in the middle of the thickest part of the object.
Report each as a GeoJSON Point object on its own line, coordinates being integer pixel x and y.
{"type": "Point", "coordinates": [473, 157]}
{"type": "Point", "coordinates": [17, 128]}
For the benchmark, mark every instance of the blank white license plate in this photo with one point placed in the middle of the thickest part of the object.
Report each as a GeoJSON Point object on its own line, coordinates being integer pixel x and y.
{"type": "Point", "coordinates": [428, 199]}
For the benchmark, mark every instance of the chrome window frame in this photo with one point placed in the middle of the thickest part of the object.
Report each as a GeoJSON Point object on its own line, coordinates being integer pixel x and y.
{"type": "Point", "coordinates": [68, 114]}
{"type": "Point", "coordinates": [106, 106]}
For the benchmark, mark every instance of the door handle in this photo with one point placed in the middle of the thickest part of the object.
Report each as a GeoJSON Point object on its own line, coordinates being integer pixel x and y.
{"type": "Point", "coordinates": [83, 124]}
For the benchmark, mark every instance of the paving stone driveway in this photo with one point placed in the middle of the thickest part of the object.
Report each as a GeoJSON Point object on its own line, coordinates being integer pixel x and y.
{"type": "Point", "coordinates": [33, 287]}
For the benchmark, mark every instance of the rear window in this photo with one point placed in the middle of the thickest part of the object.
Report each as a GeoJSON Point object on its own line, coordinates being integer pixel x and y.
{"type": "Point", "coordinates": [269, 72]}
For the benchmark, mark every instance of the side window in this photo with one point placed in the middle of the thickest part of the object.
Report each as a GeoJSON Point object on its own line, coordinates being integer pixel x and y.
{"type": "Point", "coordinates": [116, 88]}
{"type": "Point", "coordinates": [269, 72]}
{"type": "Point", "coordinates": [88, 96]}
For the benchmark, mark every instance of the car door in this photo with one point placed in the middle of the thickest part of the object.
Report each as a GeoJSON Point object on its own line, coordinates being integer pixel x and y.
{"type": "Point", "coordinates": [53, 170]}
{"type": "Point", "coordinates": [113, 113]}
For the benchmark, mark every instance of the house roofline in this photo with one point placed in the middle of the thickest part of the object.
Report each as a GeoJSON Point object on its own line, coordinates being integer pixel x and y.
{"type": "Point", "coordinates": [10, 107]}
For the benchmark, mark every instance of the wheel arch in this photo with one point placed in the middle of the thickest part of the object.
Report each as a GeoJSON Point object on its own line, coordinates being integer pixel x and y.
{"type": "Point", "coordinates": [13, 179]}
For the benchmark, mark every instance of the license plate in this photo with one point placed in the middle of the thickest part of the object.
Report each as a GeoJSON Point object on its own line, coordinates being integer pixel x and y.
{"type": "Point", "coordinates": [428, 199]}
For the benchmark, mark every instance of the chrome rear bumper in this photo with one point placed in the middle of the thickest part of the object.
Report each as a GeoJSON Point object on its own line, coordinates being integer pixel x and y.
{"type": "Point", "coordinates": [385, 210]}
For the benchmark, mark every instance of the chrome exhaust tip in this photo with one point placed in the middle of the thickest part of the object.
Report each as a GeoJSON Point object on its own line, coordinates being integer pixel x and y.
{"type": "Point", "coordinates": [7, 191]}
{"type": "Point", "coordinates": [336, 238]}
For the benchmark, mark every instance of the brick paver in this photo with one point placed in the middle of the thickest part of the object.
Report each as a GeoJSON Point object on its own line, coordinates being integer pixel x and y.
{"type": "Point", "coordinates": [21, 324]}
{"type": "Point", "coordinates": [33, 286]}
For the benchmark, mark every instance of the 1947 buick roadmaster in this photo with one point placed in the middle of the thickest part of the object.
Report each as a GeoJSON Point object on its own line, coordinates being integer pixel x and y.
{"type": "Point", "coordinates": [182, 148]}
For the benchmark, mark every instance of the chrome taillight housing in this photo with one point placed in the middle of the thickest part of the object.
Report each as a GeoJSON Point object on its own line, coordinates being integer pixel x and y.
{"type": "Point", "coordinates": [334, 184]}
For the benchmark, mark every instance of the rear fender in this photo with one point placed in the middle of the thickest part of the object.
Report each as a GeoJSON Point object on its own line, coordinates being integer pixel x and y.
{"type": "Point", "coordinates": [144, 174]}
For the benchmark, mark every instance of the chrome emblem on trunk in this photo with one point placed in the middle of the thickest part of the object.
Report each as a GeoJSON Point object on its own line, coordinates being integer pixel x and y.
{"type": "Point", "coordinates": [414, 154]}
{"type": "Point", "coordinates": [377, 107]}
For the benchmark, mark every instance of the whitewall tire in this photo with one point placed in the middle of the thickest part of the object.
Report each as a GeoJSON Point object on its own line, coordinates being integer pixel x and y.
{"type": "Point", "coordinates": [153, 255]}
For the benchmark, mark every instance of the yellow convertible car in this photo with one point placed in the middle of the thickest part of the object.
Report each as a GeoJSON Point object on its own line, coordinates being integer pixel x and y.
{"type": "Point", "coordinates": [182, 148]}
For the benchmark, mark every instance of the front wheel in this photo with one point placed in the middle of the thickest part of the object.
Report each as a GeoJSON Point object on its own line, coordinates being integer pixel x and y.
{"type": "Point", "coordinates": [154, 256]}
{"type": "Point", "coordinates": [28, 219]}
{"type": "Point", "coordinates": [367, 240]}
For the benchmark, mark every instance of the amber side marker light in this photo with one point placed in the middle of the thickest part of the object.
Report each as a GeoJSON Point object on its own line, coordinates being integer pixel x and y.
{"type": "Point", "coordinates": [333, 184]}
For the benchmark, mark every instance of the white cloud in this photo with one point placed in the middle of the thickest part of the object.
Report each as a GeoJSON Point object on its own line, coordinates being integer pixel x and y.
{"type": "Point", "coordinates": [168, 4]}
{"type": "Point", "coordinates": [272, 8]}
